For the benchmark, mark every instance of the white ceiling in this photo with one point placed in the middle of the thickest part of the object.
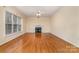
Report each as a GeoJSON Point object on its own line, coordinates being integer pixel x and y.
{"type": "Point", "coordinates": [32, 10]}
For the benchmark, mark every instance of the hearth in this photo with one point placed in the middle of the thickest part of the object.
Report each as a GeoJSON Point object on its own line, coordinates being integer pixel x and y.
{"type": "Point", "coordinates": [38, 29]}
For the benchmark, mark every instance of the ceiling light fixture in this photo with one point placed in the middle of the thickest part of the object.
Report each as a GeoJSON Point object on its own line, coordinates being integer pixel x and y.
{"type": "Point", "coordinates": [38, 14]}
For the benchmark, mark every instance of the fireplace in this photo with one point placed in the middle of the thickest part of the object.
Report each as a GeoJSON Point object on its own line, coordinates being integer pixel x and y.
{"type": "Point", "coordinates": [38, 29]}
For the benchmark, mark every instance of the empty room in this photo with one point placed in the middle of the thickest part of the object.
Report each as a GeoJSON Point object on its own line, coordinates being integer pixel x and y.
{"type": "Point", "coordinates": [39, 29]}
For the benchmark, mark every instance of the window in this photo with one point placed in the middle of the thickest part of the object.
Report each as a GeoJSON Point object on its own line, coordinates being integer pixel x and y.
{"type": "Point", "coordinates": [8, 23]}
{"type": "Point", "coordinates": [19, 24]}
{"type": "Point", "coordinates": [15, 23]}
{"type": "Point", "coordinates": [12, 23]}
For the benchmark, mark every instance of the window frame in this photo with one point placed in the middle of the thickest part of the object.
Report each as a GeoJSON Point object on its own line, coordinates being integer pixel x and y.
{"type": "Point", "coordinates": [12, 19]}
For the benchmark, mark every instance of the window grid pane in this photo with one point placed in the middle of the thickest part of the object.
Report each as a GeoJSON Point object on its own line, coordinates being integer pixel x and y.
{"type": "Point", "coordinates": [8, 18]}
{"type": "Point", "coordinates": [8, 28]}
{"type": "Point", "coordinates": [8, 23]}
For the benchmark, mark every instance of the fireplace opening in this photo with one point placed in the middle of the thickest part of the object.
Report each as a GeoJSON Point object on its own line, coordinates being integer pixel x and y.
{"type": "Point", "coordinates": [38, 29]}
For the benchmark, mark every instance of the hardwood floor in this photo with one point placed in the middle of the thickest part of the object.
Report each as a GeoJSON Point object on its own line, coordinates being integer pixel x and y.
{"type": "Point", "coordinates": [38, 43]}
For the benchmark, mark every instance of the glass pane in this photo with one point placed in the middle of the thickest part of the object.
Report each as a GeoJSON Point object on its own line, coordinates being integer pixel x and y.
{"type": "Point", "coordinates": [15, 28]}
{"type": "Point", "coordinates": [8, 18]}
{"type": "Point", "coordinates": [19, 20]}
{"type": "Point", "coordinates": [14, 19]}
{"type": "Point", "coordinates": [19, 23]}
{"type": "Point", "coordinates": [8, 28]}
{"type": "Point", "coordinates": [19, 27]}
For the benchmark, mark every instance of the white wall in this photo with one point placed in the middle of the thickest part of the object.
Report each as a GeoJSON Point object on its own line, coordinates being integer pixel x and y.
{"type": "Point", "coordinates": [1, 24]}
{"type": "Point", "coordinates": [32, 22]}
{"type": "Point", "coordinates": [65, 24]}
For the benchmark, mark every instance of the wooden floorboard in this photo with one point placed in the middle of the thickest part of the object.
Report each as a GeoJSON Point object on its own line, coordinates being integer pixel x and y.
{"type": "Point", "coordinates": [38, 43]}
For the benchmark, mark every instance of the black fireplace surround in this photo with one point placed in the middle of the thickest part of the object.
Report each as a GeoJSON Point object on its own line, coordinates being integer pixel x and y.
{"type": "Point", "coordinates": [38, 29]}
